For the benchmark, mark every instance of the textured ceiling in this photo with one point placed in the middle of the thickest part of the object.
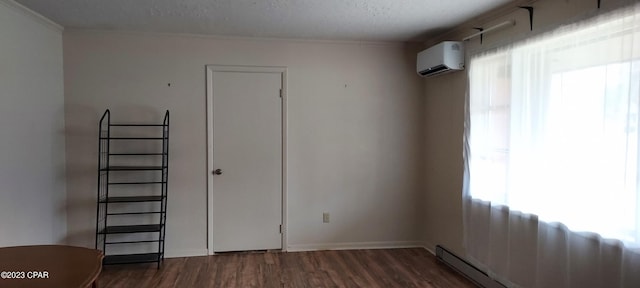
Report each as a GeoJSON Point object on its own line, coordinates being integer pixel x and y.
{"type": "Point", "coordinates": [369, 20]}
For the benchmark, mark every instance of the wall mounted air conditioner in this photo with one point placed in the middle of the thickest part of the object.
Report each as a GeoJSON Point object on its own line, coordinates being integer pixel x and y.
{"type": "Point", "coordinates": [445, 57]}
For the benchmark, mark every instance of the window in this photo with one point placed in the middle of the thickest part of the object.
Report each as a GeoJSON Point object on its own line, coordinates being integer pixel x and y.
{"type": "Point", "coordinates": [554, 127]}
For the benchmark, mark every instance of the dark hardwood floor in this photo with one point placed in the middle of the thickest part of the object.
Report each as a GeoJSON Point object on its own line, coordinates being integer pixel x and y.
{"type": "Point", "coordinates": [414, 267]}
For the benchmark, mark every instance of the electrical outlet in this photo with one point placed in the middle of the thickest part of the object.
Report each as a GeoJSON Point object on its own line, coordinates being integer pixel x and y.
{"type": "Point", "coordinates": [325, 217]}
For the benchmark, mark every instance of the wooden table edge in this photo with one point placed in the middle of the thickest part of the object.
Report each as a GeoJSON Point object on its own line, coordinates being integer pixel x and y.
{"type": "Point", "coordinates": [91, 281]}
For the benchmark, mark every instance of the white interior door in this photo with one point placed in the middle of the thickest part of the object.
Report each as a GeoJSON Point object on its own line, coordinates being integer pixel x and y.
{"type": "Point", "coordinates": [247, 150]}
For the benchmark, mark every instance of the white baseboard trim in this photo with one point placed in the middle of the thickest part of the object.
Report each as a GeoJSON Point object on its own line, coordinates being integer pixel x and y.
{"type": "Point", "coordinates": [429, 247]}
{"type": "Point", "coordinates": [185, 253]}
{"type": "Point", "coordinates": [354, 246]}
{"type": "Point", "coordinates": [318, 247]}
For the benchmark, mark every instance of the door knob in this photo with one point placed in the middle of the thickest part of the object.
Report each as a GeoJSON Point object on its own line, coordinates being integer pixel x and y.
{"type": "Point", "coordinates": [217, 172]}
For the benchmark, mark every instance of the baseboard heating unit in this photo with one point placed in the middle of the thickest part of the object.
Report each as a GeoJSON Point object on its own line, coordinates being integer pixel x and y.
{"type": "Point", "coordinates": [465, 268]}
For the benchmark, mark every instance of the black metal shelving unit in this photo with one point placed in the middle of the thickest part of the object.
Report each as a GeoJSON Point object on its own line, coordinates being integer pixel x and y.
{"type": "Point", "coordinates": [108, 201]}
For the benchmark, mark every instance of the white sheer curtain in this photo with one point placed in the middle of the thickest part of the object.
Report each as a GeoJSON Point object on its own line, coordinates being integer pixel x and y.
{"type": "Point", "coordinates": [552, 193]}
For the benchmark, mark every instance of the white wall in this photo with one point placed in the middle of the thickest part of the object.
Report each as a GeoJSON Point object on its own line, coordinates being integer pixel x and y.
{"type": "Point", "coordinates": [354, 130]}
{"type": "Point", "coordinates": [32, 160]}
{"type": "Point", "coordinates": [444, 110]}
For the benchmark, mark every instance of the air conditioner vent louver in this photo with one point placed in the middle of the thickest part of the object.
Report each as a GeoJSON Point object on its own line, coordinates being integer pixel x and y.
{"type": "Point", "coordinates": [434, 70]}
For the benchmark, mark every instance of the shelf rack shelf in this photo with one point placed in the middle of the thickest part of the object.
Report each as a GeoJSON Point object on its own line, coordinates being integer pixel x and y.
{"type": "Point", "coordinates": [133, 258]}
{"type": "Point", "coordinates": [132, 199]}
{"type": "Point", "coordinates": [107, 199]}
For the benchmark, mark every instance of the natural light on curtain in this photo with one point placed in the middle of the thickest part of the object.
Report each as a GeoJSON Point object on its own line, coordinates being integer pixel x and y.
{"type": "Point", "coordinates": [554, 127]}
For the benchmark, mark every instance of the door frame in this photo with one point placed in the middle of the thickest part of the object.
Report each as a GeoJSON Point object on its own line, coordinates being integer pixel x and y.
{"type": "Point", "coordinates": [209, 101]}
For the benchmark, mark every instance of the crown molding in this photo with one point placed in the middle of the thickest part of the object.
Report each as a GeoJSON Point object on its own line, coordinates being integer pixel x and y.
{"type": "Point", "coordinates": [17, 7]}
